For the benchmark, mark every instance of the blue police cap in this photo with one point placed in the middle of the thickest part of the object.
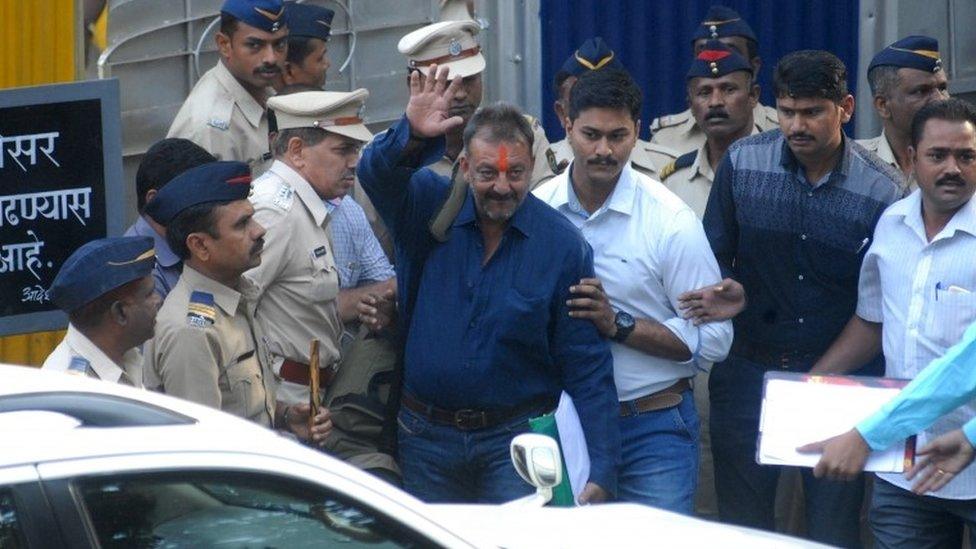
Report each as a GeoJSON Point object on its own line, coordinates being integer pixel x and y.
{"type": "Point", "coordinates": [223, 181]}
{"type": "Point", "coordinates": [308, 21]}
{"type": "Point", "coordinates": [911, 52]}
{"type": "Point", "coordinates": [591, 55]}
{"type": "Point", "coordinates": [267, 15]}
{"type": "Point", "coordinates": [721, 22]}
{"type": "Point", "coordinates": [99, 266]}
{"type": "Point", "coordinates": [717, 60]}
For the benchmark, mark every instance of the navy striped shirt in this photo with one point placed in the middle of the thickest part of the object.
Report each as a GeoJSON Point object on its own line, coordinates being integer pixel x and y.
{"type": "Point", "coordinates": [796, 247]}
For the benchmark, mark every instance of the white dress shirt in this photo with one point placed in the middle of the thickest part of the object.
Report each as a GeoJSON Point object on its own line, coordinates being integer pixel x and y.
{"type": "Point", "coordinates": [924, 293]}
{"type": "Point", "coordinates": [648, 248]}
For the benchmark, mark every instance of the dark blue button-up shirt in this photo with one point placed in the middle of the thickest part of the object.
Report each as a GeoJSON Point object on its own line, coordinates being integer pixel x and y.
{"type": "Point", "coordinates": [496, 335]}
{"type": "Point", "coordinates": [796, 247]}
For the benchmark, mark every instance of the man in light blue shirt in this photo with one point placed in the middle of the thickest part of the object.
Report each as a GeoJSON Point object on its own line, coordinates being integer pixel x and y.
{"type": "Point", "coordinates": [917, 294]}
{"type": "Point", "coordinates": [163, 161]}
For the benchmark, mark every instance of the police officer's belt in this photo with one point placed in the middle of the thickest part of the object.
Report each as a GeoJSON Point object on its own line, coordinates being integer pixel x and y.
{"type": "Point", "coordinates": [472, 420]}
{"type": "Point", "coordinates": [296, 372]}
{"type": "Point", "coordinates": [669, 397]}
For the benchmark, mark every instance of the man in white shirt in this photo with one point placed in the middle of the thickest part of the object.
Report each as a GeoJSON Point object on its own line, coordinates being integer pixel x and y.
{"type": "Point", "coordinates": [649, 247]}
{"type": "Point", "coordinates": [916, 297]}
{"type": "Point", "coordinates": [106, 288]}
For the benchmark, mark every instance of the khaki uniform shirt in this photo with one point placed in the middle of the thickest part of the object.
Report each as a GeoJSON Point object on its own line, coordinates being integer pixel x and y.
{"type": "Point", "coordinates": [692, 180]}
{"type": "Point", "coordinates": [879, 145]}
{"type": "Point", "coordinates": [543, 170]}
{"type": "Point", "coordinates": [205, 349]}
{"type": "Point", "coordinates": [220, 116]}
{"type": "Point", "coordinates": [297, 280]}
{"type": "Point", "coordinates": [681, 133]}
{"type": "Point", "coordinates": [76, 354]}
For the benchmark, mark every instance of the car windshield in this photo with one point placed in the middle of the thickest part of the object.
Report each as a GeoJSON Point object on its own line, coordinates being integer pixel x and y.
{"type": "Point", "coordinates": [243, 510]}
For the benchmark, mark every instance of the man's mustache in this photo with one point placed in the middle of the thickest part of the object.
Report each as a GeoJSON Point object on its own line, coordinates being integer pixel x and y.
{"type": "Point", "coordinates": [268, 68]}
{"type": "Point", "coordinates": [257, 247]}
{"type": "Point", "coordinates": [950, 180]}
{"type": "Point", "coordinates": [602, 161]}
{"type": "Point", "coordinates": [717, 113]}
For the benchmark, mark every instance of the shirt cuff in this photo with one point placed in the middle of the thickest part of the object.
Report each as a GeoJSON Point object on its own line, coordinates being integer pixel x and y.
{"type": "Point", "coordinates": [688, 333]}
{"type": "Point", "coordinates": [872, 430]}
{"type": "Point", "coordinates": [969, 429]}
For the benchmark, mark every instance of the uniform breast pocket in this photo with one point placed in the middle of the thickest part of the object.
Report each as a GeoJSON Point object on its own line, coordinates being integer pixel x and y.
{"type": "Point", "coordinates": [245, 387]}
{"type": "Point", "coordinates": [952, 313]}
{"type": "Point", "coordinates": [324, 279]}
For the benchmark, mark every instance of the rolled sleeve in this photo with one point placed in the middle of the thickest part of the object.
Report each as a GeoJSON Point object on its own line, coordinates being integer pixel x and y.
{"type": "Point", "coordinates": [688, 265]}
{"type": "Point", "coordinates": [869, 297]}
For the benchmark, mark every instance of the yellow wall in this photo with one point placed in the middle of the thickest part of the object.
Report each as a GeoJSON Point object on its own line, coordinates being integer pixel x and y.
{"type": "Point", "coordinates": [37, 46]}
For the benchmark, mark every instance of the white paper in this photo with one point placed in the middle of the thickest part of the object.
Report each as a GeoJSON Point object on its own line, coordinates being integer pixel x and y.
{"type": "Point", "coordinates": [797, 411]}
{"type": "Point", "coordinates": [573, 443]}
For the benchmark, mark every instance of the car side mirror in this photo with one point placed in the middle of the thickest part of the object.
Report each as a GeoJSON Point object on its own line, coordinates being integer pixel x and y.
{"type": "Point", "coordinates": [538, 461]}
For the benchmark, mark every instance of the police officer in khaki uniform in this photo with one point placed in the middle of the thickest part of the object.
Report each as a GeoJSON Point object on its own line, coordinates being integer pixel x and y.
{"type": "Point", "coordinates": [680, 131]}
{"type": "Point", "coordinates": [106, 288]}
{"type": "Point", "coordinates": [723, 96]}
{"type": "Point", "coordinates": [316, 148]}
{"type": "Point", "coordinates": [224, 112]}
{"type": "Point", "coordinates": [309, 30]}
{"type": "Point", "coordinates": [454, 44]}
{"type": "Point", "coordinates": [207, 348]}
{"type": "Point", "coordinates": [904, 77]}
{"type": "Point", "coordinates": [594, 54]}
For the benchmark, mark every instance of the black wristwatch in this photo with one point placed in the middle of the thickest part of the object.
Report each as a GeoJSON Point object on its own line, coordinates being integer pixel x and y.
{"type": "Point", "coordinates": [625, 324]}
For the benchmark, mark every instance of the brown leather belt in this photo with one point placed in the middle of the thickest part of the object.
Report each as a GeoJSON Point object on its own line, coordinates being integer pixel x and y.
{"type": "Point", "coordinates": [774, 358]}
{"type": "Point", "coordinates": [472, 420]}
{"type": "Point", "coordinates": [669, 397]}
{"type": "Point", "coordinates": [296, 372]}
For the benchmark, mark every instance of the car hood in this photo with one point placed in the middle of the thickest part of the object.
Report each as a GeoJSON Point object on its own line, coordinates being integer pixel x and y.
{"type": "Point", "coordinates": [609, 525]}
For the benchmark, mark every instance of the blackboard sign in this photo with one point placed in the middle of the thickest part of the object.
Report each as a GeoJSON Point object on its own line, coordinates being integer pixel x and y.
{"type": "Point", "coordinates": [60, 186]}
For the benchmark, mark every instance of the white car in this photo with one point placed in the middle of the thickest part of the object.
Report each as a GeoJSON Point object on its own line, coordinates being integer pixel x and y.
{"type": "Point", "coordinates": [85, 463]}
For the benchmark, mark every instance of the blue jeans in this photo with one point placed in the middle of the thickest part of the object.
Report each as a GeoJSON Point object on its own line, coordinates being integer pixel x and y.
{"type": "Point", "coordinates": [442, 464]}
{"type": "Point", "coordinates": [899, 518]}
{"type": "Point", "coordinates": [659, 457]}
{"type": "Point", "coordinates": [746, 491]}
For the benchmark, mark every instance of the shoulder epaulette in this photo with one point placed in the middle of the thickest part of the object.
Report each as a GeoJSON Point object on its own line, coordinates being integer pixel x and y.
{"type": "Point", "coordinates": [201, 312]}
{"type": "Point", "coordinates": [682, 161]}
{"type": "Point", "coordinates": [669, 120]}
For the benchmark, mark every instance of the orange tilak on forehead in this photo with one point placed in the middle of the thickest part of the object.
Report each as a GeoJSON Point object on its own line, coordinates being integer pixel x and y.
{"type": "Point", "coordinates": [502, 158]}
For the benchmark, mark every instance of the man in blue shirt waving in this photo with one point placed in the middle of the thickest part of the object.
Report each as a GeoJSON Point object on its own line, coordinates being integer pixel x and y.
{"type": "Point", "coordinates": [490, 343]}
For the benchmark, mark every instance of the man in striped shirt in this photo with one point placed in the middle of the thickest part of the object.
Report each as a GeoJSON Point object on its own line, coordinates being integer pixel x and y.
{"type": "Point", "coordinates": [789, 218]}
{"type": "Point", "coordinates": [916, 297]}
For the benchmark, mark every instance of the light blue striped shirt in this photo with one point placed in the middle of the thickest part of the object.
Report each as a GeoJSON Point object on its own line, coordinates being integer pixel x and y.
{"type": "Point", "coordinates": [924, 294]}
{"type": "Point", "coordinates": [359, 257]}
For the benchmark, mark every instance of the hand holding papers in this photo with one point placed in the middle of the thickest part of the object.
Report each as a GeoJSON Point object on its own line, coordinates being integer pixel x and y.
{"type": "Point", "coordinates": [799, 409]}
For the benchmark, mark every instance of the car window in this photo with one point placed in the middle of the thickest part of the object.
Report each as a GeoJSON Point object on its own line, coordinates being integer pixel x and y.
{"type": "Point", "coordinates": [11, 535]}
{"type": "Point", "coordinates": [239, 510]}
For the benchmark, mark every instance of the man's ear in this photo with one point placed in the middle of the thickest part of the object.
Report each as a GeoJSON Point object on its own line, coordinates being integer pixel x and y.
{"type": "Point", "coordinates": [557, 106]}
{"type": "Point", "coordinates": [294, 152]}
{"type": "Point", "coordinates": [197, 244]}
{"type": "Point", "coordinates": [847, 106]}
{"type": "Point", "coordinates": [881, 107]}
{"type": "Point", "coordinates": [911, 158]}
{"type": "Point", "coordinates": [286, 76]}
{"type": "Point", "coordinates": [150, 194]}
{"type": "Point", "coordinates": [117, 312]}
{"type": "Point", "coordinates": [224, 45]}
